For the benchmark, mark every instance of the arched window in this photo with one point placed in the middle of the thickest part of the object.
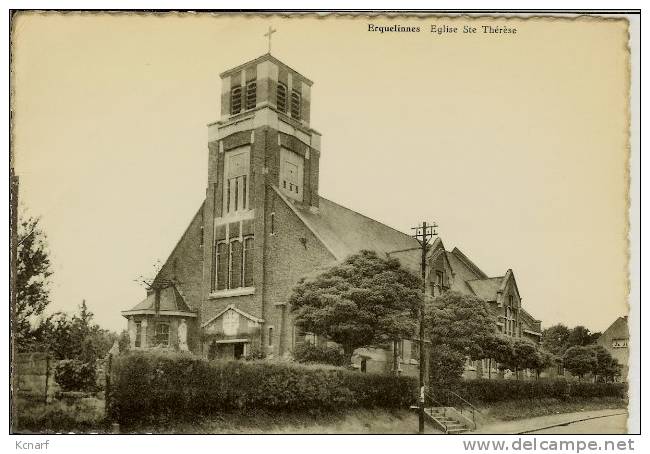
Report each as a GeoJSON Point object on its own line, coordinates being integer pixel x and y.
{"type": "Point", "coordinates": [281, 98]}
{"type": "Point", "coordinates": [235, 100]}
{"type": "Point", "coordinates": [270, 337]}
{"type": "Point", "coordinates": [295, 104]}
{"type": "Point", "coordinates": [251, 95]}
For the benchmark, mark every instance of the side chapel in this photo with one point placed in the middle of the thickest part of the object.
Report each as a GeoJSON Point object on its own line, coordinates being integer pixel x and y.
{"type": "Point", "coordinates": [222, 292]}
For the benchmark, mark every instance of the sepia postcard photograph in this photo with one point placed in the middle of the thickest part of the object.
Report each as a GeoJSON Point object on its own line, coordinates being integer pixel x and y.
{"type": "Point", "coordinates": [321, 222]}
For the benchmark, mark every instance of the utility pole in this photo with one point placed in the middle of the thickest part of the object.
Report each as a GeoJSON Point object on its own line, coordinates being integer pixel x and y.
{"type": "Point", "coordinates": [423, 235]}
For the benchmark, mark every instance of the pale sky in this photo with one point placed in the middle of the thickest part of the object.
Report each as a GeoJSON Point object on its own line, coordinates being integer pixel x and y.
{"type": "Point", "coordinates": [514, 144]}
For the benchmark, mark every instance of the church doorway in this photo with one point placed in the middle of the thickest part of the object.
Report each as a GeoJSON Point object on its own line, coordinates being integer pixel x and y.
{"type": "Point", "coordinates": [238, 350]}
{"type": "Point", "coordinates": [226, 350]}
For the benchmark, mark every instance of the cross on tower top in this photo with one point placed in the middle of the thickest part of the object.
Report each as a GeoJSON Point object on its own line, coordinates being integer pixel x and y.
{"type": "Point", "coordinates": [269, 33]}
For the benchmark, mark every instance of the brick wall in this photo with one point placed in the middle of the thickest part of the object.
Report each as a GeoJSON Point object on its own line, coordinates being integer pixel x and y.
{"type": "Point", "coordinates": [288, 259]}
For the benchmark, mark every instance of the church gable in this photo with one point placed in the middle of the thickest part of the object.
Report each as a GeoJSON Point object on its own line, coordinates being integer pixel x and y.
{"type": "Point", "coordinates": [184, 266]}
{"type": "Point", "coordinates": [232, 323]}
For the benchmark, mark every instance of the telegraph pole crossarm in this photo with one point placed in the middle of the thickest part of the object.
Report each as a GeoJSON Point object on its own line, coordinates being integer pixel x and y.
{"type": "Point", "coordinates": [423, 235]}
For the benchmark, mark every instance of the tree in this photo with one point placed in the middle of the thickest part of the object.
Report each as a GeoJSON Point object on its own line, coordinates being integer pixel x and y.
{"type": "Point", "coordinates": [606, 366]}
{"type": "Point", "coordinates": [366, 300]}
{"type": "Point", "coordinates": [75, 337]}
{"type": "Point", "coordinates": [32, 280]}
{"type": "Point", "coordinates": [580, 360]}
{"type": "Point", "coordinates": [525, 355]}
{"type": "Point", "coordinates": [446, 366]}
{"type": "Point", "coordinates": [497, 347]}
{"type": "Point", "coordinates": [545, 360]}
{"type": "Point", "coordinates": [555, 339]}
{"type": "Point", "coordinates": [460, 321]}
{"type": "Point", "coordinates": [580, 336]}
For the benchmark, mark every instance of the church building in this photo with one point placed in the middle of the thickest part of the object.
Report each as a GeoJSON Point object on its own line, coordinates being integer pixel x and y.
{"type": "Point", "coordinates": [223, 291]}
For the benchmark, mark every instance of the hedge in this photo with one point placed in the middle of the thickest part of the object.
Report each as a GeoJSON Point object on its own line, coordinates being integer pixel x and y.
{"type": "Point", "coordinates": [149, 385]}
{"type": "Point", "coordinates": [489, 391]}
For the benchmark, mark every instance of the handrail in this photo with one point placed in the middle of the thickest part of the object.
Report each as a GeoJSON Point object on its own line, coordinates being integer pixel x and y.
{"type": "Point", "coordinates": [465, 401]}
{"type": "Point", "coordinates": [431, 398]}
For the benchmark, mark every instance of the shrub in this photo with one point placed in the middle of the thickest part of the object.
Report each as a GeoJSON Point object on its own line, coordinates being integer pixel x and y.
{"type": "Point", "coordinates": [490, 391]}
{"type": "Point", "coordinates": [75, 375]}
{"type": "Point", "coordinates": [309, 353]}
{"type": "Point", "coordinates": [446, 366]}
{"type": "Point", "coordinates": [151, 385]}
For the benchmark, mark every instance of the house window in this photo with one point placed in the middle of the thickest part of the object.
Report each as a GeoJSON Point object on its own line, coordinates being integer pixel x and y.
{"type": "Point", "coordinates": [251, 95]}
{"type": "Point", "coordinates": [295, 104]}
{"type": "Point", "coordinates": [509, 321]}
{"type": "Point", "coordinates": [138, 334]}
{"type": "Point", "coordinates": [235, 100]}
{"type": "Point", "coordinates": [162, 334]}
{"type": "Point", "coordinates": [440, 282]}
{"type": "Point", "coordinates": [236, 171]}
{"type": "Point", "coordinates": [281, 98]}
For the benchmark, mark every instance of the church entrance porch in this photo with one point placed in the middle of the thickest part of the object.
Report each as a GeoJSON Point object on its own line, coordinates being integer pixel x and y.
{"type": "Point", "coordinates": [228, 349]}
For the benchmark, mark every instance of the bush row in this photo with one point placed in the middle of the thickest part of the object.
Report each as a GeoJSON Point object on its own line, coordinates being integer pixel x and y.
{"type": "Point", "coordinates": [489, 391]}
{"type": "Point", "coordinates": [149, 385]}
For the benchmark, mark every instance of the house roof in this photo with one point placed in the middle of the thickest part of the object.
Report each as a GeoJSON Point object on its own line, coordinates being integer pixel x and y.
{"type": "Point", "coordinates": [486, 288]}
{"type": "Point", "coordinates": [170, 301]}
{"type": "Point", "coordinates": [344, 232]}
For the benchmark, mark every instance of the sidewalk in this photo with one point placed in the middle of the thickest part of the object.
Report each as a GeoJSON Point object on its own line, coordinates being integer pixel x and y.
{"type": "Point", "coordinates": [542, 422]}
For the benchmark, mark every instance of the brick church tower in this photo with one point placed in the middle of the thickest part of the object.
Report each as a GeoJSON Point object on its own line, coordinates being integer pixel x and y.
{"type": "Point", "coordinates": [261, 148]}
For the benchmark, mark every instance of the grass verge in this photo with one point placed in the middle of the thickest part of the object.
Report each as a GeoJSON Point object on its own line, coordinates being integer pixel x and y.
{"type": "Point", "coordinates": [523, 409]}
{"type": "Point", "coordinates": [372, 421]}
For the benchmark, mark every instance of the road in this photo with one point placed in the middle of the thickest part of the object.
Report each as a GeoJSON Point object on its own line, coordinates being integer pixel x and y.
{"type": "Point", "coordinates": [616, 424]}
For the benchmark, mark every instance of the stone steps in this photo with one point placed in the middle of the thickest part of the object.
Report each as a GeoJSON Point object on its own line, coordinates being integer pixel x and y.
{"type": "Point", "coordinates": [445, 423]}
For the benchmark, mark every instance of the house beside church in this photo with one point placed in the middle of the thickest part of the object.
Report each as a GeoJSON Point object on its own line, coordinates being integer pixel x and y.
{"type": "Point", "coordinates": [223, 291]}
{"type": "Point", "coordinates": [615, 340]}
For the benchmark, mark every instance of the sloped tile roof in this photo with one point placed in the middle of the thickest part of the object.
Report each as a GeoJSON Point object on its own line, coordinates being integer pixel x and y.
{"type": "Point", "coordinates": [486, 288]}
{"type": "Point", "coordinates": [170, 300]}
{"type": "Point", "coordinates": [344, 232]}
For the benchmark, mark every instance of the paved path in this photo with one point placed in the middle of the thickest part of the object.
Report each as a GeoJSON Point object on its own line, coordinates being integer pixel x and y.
{"type": "Point", "coordinates": [616, 424]}
{"type": "Point", "coordinates": [579, 422]}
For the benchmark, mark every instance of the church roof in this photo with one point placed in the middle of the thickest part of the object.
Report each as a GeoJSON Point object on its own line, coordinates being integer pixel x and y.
{"type": "Point", "coordinates": [170, 301]}
{"type": "Point", "coordinates": [486, 288]}
{"type": "Point", "coordinates": [344, 232]}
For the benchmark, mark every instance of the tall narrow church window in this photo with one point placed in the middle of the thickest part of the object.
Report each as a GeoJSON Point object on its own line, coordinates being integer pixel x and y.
{"type": "Point", "coordinates": [235, 264]}
{"type": "Point", "coordinates": [222, 266]}
{"type": "Point", "coordinates": [272, 223]}
{"type": "Point", "coordinates": [295, 104]}
{"type": "Point", "coordinates": [236, 171]}
{"type": "Point", "coordinates": [251, 95]}
{"type": "Point", "coordinates": [281, 98]}
{"type": "Point", "coordinates": [248, 261]}
{"type": "Point", "coordinates": [235, 100]}
{"type": "Point", "coordinates": [270, 337]}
